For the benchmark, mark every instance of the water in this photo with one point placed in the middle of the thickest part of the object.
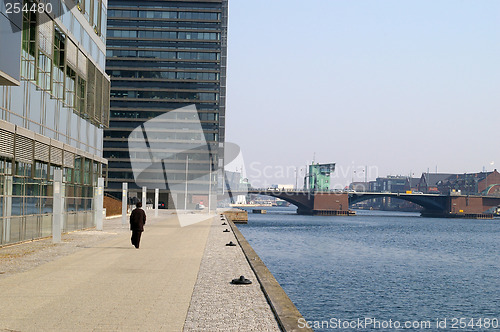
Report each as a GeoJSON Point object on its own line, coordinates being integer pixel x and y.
{"type": "Point", "coordinates": [383, 265]}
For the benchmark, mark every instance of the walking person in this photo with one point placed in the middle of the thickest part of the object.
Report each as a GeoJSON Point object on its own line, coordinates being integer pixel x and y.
{"type": "Point", "coordinates": [137, 222]}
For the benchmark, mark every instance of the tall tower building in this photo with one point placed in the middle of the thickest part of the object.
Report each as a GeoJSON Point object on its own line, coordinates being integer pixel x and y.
{"type": "Point", "coordinates": [54, 104]}
{"type": "Point", "coordinates": [163, 56]}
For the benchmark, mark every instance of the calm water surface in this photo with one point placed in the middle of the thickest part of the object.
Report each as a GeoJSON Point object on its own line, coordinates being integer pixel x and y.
{"type": "Point", "coordinates": [384, 265]}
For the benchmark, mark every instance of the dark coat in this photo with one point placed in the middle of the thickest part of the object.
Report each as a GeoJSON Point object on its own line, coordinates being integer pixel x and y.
{"type": "Point", "coordinates": [137, 220]}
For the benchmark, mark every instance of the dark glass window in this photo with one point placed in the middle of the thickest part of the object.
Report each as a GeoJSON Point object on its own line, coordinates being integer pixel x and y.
{"type": "Point", "coordinates": [28, 58]}
{"type": "Point", "coordinates": [43, 70]}
{"type": "Point", "coordinates": [80, 97]}
{"type": "Point", "coordinates": [59, 64]}
{"type": "Point", "coordinates": [70, 87]}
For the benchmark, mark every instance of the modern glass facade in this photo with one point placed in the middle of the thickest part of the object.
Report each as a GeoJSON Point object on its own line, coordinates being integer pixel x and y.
{"type": "Point", "coordinates": [162, 56]}
{"type": "Point", "coordinates": [53, 118]}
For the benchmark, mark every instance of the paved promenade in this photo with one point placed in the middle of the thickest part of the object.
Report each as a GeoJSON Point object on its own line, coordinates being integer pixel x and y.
{"type": "Point", "coordinates": [111, 286]}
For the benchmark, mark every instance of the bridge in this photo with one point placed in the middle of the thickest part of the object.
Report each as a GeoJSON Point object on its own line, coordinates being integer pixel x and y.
{"type": "Point", "coordinates": [337, 203]}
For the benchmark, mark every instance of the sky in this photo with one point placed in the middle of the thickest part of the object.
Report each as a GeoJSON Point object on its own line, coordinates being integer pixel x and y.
{"type": "Point", "coordinates": [390, 87]}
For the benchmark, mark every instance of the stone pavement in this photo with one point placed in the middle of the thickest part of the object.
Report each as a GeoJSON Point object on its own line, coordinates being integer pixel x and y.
{"type": "Point", "coordinates": [111, 286]}
{"type": "Point", "coordinates": [217, 305]}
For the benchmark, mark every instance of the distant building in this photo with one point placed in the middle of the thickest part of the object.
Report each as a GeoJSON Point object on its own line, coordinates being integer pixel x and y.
{"type": "Point", "coordinates": [390, 183]}
{"type": "Point", "coordinates": [54, 104]}
{"type": "Point", "coordinates": [429, 182]}
{"type": "Point", "coordinates": [360, 186]}
{"type": "Point", "coordinates": [412, 184]}
{"type": "Point", "coordinates": [471, 183]}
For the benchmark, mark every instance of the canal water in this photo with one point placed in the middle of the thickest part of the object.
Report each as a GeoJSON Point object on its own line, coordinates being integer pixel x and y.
{"type": "Point", "coordinates": [385, 266]}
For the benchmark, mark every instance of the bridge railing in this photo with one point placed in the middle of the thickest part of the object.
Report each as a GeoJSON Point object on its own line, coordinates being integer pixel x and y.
{"type": "Point", "coordinates": [305, 191]}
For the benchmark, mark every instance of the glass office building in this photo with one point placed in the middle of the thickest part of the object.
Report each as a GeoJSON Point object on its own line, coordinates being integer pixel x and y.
{"type": "Point", "coordinates": [162, 56]}
{"type": "Point", "coordinates": [54, 105]}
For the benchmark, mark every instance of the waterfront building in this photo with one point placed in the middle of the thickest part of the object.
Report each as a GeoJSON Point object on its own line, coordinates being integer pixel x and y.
{"type": "Point", "coordinates": [471, 183]}
{"type": "Point", "coordinates": [54, 104]}
{"type": "Point", "coordinates": [429, 182]}
{"type": "Point", "coordinates": [360, 186]}
{"type": "Point", "coordinates": [163, 56]}
{"type": "Point", "coordinates": [393, 184]}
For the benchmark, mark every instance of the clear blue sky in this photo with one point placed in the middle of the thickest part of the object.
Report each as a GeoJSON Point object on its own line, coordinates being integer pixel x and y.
{"type": "Point", "coordinates": [400, 86]}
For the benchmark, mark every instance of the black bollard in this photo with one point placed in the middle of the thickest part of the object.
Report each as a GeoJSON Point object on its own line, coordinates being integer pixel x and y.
{"type": "Point", "coordinates": [241, 281]}
{"type": "Point", "coordinates": [230, 244]}
{"type": "Point", "coordinates": [225, 231]}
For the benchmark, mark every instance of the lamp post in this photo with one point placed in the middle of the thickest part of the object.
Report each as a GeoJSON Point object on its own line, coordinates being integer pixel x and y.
{"type": "Point", "coordinates": [186, 187]}
{"type": "Point", "coordinates": [210, 183]}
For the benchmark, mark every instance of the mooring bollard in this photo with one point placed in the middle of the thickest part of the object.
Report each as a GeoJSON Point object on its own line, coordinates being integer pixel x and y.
{"type": "Point", "coordinates": [241, 281]}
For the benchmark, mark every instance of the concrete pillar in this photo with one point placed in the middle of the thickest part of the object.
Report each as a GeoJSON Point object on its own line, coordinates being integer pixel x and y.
{"type": "Point", "coordinates": [57, 213]}
{"type": "Point", "coordinates": [7, 212]}
{"type": "Point", "coordinates": [157, 197]}
{"type": "Point", "coordinates": [144, 191]}
{"type": "Point", "coordinates": [124, 202]}
{"type": "Point", "coordinates": [98, 204]}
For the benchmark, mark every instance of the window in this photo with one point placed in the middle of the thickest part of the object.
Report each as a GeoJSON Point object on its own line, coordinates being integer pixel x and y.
{"type": "Point", "coordinates": [41, 170]}
{"type": "Point", "coordinates": [78, 170]}
{"type": "Point", "coordinates": [68, 175]}
{"type": "Point", "coordinates": [208, 96]}
{"type": "Point", "coordinates": [96, 17]}
{"type": "Point", "coordinates": [45, 43]}
{"type": "Point", "coordinates": [43, 70]}
{"type": "Point", "coordinates": [103, 21]}
{"type": "Point", "coordinates": [59, 62]}
{"type": "Point", "coordinates": [86, 172]}
{"type": "Point", "coordinates": [70, 87]}
{"type": "Point", "coordinates": [29, 45]}
{"type": "Point", "coordinates": [92, 12]}
{"type": "Point", "coordinates": [5, 166]}
{"type": "Point", "coordinates": [88, 11]}
{"type": "Point", "coordinates": [23, 169]}
{"type": "Point", "coordinates": [96, 172]}
{"type": "Point", "coordinates": [80, 97]}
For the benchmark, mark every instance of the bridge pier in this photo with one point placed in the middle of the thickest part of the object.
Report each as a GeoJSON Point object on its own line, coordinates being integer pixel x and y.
{"type": "Point", "coordinates": [327, 204]}
{"type": "Point", "coordinates": [304, 212]}
{"type": "Point", "coordinates": [443, 214]}
{"type": "Point", "coordinates": [309, 203]}
{"type": "Point", "coordinates": [331, 204]}
{"type": "Point", "coordinates": [471, 207]}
